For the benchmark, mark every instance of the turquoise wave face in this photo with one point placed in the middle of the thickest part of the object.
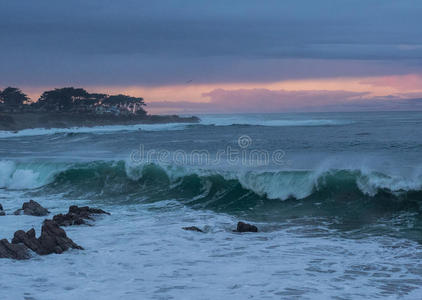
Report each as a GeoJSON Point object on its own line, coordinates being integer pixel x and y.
{"type": "Point", "coordinates": [347, 199]}
{"type": "Point", "coordinates": [285, 193]}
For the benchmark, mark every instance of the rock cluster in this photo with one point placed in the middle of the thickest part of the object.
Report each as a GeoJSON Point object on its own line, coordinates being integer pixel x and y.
{"type": "Point", "coordinates": [53, 239]}
{"type": "Point", "coordinates": [32, 208]}
{"type": "Point", "coordinates": [77, 215]}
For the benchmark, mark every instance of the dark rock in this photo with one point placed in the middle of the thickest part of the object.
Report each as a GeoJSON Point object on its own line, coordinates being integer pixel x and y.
{"type": "Point", "coordinates": [85, 210]}
{"type": "Point", "coordinates": [8, 250]}
{"type": "Point", "coordinates": [2, 213]}
{"type": "Point", "coordinates": [53, 239]}
{"type": "Point", "coordinates": [32, 208]}
{"type": "Point", "coordinates": [77, 215]}
{"type": "Point", "coordinates": [28, 239]}
{"type": "Point", "coordinates": [68, 219]}
{"type": "Point", "coordinates": [192, 228]}
{"type": "Point", "coordinates": [245, 227]}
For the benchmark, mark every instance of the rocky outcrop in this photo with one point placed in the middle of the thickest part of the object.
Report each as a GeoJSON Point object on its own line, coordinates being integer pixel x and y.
{"type": "Point", "coordinates": [8, 250]}
{"type": "Point", "coordinates": [77, 215]}
{"type": "Point", "coordinates": [85, 210]}
{"type": "Point", "coordinates": [53, 239]}
{"type": "Point", "coordinates": [32, 208]}
{"type": "Point", "coordinates": [2, 213]}
{"type": "Point", "coordinates": [193, 228]}
{"type": "Point", "coordinates": [245, 227]}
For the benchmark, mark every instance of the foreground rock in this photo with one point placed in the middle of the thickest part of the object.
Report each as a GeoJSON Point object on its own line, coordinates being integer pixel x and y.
{"type": "Point", "coordinates": [245, 227]}
{"type": "Point", "coordinates": [8, 250]}
{"type": "Point", "coordinates": [53, 239]}
{"type": "Point", "coordinates": [192, 228]}
{"type": "Point", "coordinates": [32, 208]}
{"type": "Point", "coordinates": [2, 213]}
{"type": "Point", "coordinates": [77, 215]}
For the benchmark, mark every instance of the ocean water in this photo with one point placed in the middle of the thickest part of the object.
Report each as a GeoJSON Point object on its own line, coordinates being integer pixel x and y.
{"type": "Point", "coordinates": [336, 197]}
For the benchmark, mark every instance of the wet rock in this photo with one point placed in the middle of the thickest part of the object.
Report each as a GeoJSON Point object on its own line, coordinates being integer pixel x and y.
{"type": "Point", "coordinates": [68, 219]}
{"type": "Point", "coordinates": [85, 210]}
{"type": "Point", "coordinates": [32, 208]}
{"type": "Point", "coordinates": [77, 215]}
{"type": "Point", "coordinates": [8, 250]}
{"type": "Point", "coordinates": [245, 227]}
{"type": "Point", "coordinates": [28, 239]}
{"type": "Point", "coordinates": [2, 213]}
{"type": "Point", "coordinates": [192, 228]}
{"type": "Point", "coordinates": [53, 239]}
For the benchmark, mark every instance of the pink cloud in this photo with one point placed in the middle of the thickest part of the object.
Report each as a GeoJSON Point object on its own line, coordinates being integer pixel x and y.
{"type": "Point", "coordinates": [265, 100]}
{"type": "Point", "coordinates": [400, 82]}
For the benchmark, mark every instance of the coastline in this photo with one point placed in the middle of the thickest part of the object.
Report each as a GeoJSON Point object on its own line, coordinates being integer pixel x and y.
{"type": "Point", "coordinates": [30, 120]}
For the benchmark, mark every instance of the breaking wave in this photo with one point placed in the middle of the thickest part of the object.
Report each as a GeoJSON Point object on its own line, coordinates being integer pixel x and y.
{"type": "Point", "coordinates": [121, 181]}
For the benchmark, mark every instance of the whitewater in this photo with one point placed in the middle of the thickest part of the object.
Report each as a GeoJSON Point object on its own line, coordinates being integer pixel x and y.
{"type": "Point", "coordinates": [336, 197]}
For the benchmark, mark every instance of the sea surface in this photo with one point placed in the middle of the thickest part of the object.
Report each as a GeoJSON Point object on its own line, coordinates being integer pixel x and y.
{"type": "Point", "coordinates": [336, 197]}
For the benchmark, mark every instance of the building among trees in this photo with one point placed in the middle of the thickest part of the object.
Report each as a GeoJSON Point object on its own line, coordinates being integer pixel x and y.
{"type": "Point", "coordinates": [72, 100]}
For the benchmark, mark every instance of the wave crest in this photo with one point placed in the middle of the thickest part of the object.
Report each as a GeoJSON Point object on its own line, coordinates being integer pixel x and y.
{"type": "Point", "coordinates": [103, 178]}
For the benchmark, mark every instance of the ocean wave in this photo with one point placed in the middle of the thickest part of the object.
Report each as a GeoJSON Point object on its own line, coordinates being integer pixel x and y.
{"type": "Point", "coordinates": [103, 177]}
{"type": "Point", "coordinates": [28, 175]}
{"type": "Point", "coordinates": [95, 129]}
{"type": "Point", "coordinates": [256, 121]}
{"type": "Point", "coordinates": [215, 121]}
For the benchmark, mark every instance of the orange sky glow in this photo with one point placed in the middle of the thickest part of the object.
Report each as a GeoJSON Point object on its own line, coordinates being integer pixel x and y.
{"type": "Point", "coordinates": [402, 86]}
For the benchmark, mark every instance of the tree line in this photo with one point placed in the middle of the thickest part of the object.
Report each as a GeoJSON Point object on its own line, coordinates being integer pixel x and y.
{"type": "Point", "coordinates": [70, 99]}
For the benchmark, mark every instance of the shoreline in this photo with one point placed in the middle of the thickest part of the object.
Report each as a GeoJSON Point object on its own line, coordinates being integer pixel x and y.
{"type": "Point", "coordinates": [29, 120]}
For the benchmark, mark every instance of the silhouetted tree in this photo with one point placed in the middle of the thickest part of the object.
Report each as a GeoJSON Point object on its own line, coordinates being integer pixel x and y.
{"type": "Point", "coordinates": [64, 99]}
{"type": "Point", "coordinates": [13, 97]}
{"type": "Point", "coordinates": [123, 99]}
{"type": "Point", "coordinates": [79, 100]}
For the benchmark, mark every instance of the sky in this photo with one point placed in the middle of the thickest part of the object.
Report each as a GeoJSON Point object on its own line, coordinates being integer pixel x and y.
{"type": "Point", "coordinates": [220, 56]}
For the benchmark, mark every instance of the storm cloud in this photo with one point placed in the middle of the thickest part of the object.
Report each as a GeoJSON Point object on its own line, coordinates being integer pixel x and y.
{"type": "Point", "coordinates": [101, 42]}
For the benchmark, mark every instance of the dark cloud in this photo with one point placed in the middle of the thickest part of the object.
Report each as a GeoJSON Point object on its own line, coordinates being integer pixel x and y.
{"type": "Point", "coordinates": [159, 42]}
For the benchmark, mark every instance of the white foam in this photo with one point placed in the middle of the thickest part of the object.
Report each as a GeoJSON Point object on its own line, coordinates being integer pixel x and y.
{"type": "Point", "coordinates": [370, 183]}
{"type": "Point", "coordinates": [279, 185]}
{"type": "Point", "coordinates": [27, 176]}
{"type": "Point", "coordinates": [7, 168]}
{"type": "Point", "coordinates": [139, 252]}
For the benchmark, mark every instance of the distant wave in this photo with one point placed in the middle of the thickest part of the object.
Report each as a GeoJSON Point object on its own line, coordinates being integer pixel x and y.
{"type": "Point", "coordinates": [95, 129]}
{"type": "Point", "coordinates": [205, 120]}
{"type": "Point", "coordinates": [242, 120]}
